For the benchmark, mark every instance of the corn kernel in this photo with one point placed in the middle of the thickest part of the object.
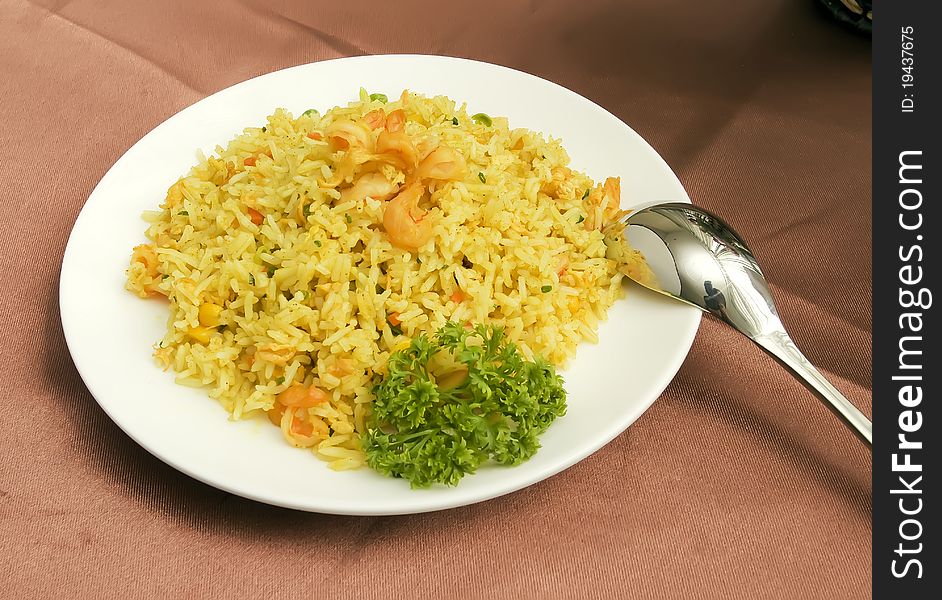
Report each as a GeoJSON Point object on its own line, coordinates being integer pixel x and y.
{"type": "Point", "coordinates": [200, 334]}
{"type": "Point", "coordinates": [209, 314]}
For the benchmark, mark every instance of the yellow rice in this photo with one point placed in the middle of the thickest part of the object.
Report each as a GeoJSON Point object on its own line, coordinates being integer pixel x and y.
{"type": "Point", "coordinates": [305, 297]}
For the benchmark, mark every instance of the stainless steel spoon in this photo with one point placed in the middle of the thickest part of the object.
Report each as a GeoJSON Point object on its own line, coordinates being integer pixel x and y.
{"type": "Point", "coordinates": [698, 259]}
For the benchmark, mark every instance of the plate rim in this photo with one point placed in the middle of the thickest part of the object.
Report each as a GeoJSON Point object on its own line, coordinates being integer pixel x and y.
{"type": "Point", "coordinates": [677, 359]}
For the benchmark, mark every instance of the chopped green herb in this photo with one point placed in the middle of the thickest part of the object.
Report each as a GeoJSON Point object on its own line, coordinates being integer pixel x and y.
{"type": "Point", "coordinates": [482, 119]}
{"type": "Point", "coordinates": [264, 129]}
{"type": "Point", "coordinates": [482, 177]}
{"type": "Point", "coordinates": [280, 380]}
{"type": "Point", "coordinates": [165, 276]}
{"type": "Point", "coordinates": [394, 329]}
{"type": "Point", "coordinates": [309, 112]}
{"type": "Point", "coordinates": [251, 279]}
{"type": "Point", "coordinates": [381, 97]}
{"type": "Point", "coordinates": [580, 219]}
{"type": "Point", "coordinates": [307, 210]}
{"type": "Point", "coordinates": [454, 120]}
{"type": "Point", "coordinates": [183, 213]}
{"type": "Point", "coordinates": [348, 218]}
{"type": "Point", "coordinates": [586, 194]}
{"type": "Point", "coordinates": [221, 328]}
{"type": "Point", "coordinates": [271, 271]}
{"type": "Point", "coordinates": [429, 430]}
{"type": "Point", "coordinates": [318, 243]}
{"type": "Point", "coordinates": [546, 288]}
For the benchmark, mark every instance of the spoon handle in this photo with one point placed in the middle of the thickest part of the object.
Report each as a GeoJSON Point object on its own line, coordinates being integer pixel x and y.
{"type": "Point", "coordinates": [783, 349]}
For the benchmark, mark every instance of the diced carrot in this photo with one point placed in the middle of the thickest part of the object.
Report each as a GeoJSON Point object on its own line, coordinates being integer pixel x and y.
{"type": "Point", "coordinates": [315, 136]}
{"type": "Point", "coordinates": [393, 319]}
{"type": "Point", "coordinates": [339, 143]}
{"type": "Point", "coordinates": [396, 120]}
{"type": "Point", "coordinates": [257, 217]}
{"type": "Point", "coordinates": [457, 297]}
{"type": "Point", "coordinates": [375, 118]}
{"type": "Point", "coordinates": [250, 161]}
{"type": "Point", "coordinates": [267, 153]}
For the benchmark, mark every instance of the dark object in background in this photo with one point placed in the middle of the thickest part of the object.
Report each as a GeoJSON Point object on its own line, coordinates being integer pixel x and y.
{"type": "Point", "coordinates": [856, 14]}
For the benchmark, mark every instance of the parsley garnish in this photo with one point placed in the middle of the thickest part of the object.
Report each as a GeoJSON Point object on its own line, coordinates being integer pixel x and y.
{"type": "Point", "coordinates": [183, 213]}
{"type": "Point", "coordinates": [482, 177]}
{"type": "Point", "coordinates": [454, 120]}
{"type": "Point", "coordinates": [585, 195]}
{"type": "Point", "coordinates": [280, 380]}
{"type": "Point", "coordinates": [580, 219]}
{"type": "Point", "coordinates": [251, 279]}
{"type": "Point", "coordinates": [309, 112]}
{"type": "Point", "coordinates": [546, 288]}
{"type": "Point", "coordinates": [381, 97]}
{"type": "Point", "coordinates": [438, 427]}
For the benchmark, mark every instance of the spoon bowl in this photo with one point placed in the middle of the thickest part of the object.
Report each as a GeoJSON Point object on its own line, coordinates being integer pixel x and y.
{"type": "Point", "coordinates": [696, 258]}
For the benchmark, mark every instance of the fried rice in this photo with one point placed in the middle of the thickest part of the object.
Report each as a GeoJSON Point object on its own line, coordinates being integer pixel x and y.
{"type": "Point", "coordinates": [289, 281]}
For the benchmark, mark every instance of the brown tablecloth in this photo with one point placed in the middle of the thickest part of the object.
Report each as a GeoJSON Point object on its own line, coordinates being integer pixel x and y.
{"type": "Point", "coordinates": [735, 484]}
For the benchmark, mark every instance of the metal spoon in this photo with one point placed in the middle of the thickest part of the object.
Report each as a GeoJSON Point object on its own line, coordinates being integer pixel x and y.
{"type": "Point", "coordinates": [698, 259]}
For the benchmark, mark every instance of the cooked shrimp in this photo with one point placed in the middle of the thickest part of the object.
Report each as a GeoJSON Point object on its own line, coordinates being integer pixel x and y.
{"type": "Point", "coordinates": [146, 254]}
{"type": "Point", "coordinates": [396, 120]}
{"type": "Point", "coordinates": [425, 145]}
{"type": "Point", "coordinates": [174, 195]}
{"type": "Point", "coordinates": [372, 185]}
{"type": "Point", "coordinates": [347, 165]}
{"type": "Point", "coordinates": [276, 354]}
{"type": "Point", "coordinates": [144, 258]}
{"type": "Point", "coordinates": [345, 133]}
{"type": "Point", "coordinates": [404, 220]}
{"type": "Point", "coordinates": [559, 174]}
{"type": "Point", "coordinates": [396, 148]}
{"type": "Point", "coordinates": [443, 163]}
{"type": "Point", "coordinates": [301, 429]}
{"type": "Point", "coordinates": [603, 204]}
{"type": "Point", "coordinates": [375, 119]}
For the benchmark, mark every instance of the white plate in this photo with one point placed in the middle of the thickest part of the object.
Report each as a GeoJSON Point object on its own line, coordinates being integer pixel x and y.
{"type": "Point", "coordinates": [110, 332]}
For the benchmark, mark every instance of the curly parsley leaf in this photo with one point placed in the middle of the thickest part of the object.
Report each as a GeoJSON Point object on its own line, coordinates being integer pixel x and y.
{"type": "Point", "coordinates": [435, 424]}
